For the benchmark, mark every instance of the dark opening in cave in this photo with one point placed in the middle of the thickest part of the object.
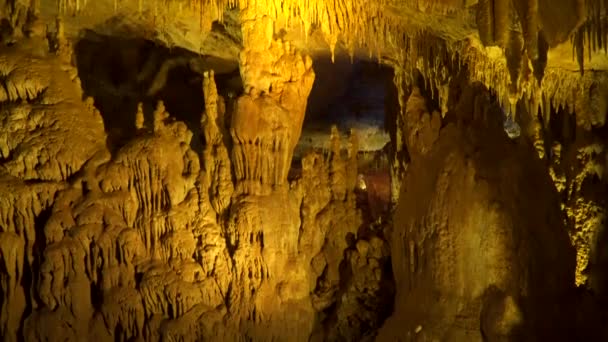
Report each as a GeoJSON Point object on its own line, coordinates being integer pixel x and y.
{"type": "Point", "coordinates": [352, 95]}
{"type": "Point", "coordinates": [121, 72]}
{"type": "Point", "coordinates": [349, 95]}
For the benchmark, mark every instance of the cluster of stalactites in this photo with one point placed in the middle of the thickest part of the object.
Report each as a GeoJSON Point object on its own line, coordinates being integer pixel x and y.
{"type": "Point", "coordinates": [439, 6]}
{"type": "Point", "coordinates": [592, 35]}
{"type": "Point", "coordinates": [506, 74]}
{"type": "Point", "coordinates": [65, 6]}
{"type": "Point", "coordinates": [356, 23]}
{"type": "Point", "coordinates": [584, 21]}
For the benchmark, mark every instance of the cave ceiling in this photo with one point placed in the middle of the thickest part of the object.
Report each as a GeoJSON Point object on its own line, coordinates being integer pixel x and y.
{"type": "Point", "coordinates": [545, 52]}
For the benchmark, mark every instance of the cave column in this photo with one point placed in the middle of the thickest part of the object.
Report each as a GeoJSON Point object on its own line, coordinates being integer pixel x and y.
{"type": "Point", "coordinates": [270, 297]}
{"type": "Point", "coordinates": [267, 120]}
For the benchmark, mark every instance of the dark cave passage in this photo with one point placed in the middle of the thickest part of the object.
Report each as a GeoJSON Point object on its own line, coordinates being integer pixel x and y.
{"type": "Point", "coordinates": [352, 95]}
{"type": "Point", "coordinates": [120, 73]}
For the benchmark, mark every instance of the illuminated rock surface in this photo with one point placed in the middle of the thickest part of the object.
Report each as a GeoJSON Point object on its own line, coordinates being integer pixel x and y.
{"type": "Point", "coordinates": [186, 170]}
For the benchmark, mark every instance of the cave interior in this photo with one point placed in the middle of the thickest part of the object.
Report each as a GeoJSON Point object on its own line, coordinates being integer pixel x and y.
{"type": "Point", "coordinates": [280, 170]}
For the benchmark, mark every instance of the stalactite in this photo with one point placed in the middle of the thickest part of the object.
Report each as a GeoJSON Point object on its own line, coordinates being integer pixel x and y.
{"type": "Point", "coordinates": [514, 59]}
{"type": "Point", "coordinates": [531, 29]}
{"type": "Point", "coordinates": [485, 21]}
{"type": "Point", "coordinates": [502, 21]}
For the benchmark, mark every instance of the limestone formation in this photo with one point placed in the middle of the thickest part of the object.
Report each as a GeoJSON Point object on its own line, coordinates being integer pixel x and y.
{"type": "Point", "coordinates": [157, 197]}
{"type": "Point", "coordinates": [139, 116]}
{"type": "Point", "coordinates": [476, 258]}
{"type": "Point", "coordinates": [148, 241]}
{"type": "Point", "coordinates": [267, 119]}
{"type": "Point", "coordinates": [41, 96]}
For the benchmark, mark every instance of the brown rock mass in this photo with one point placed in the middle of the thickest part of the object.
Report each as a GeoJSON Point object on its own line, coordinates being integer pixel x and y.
{"type": "Point", "coordinates": [478, 247]}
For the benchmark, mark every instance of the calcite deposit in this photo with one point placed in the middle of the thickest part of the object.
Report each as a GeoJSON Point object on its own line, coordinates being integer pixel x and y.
{"type": "Point", "coordinates": [155, 184]}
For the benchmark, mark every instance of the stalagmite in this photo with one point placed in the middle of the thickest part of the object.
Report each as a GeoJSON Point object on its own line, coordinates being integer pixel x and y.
{"type": "Point", "coordinates": [159, 116]}
{"type": "Point", "coordinates": [353, 151]}
{"type": "Point", "coordinates": [139, 117]}
{"type": "Point", "coordinates": [336, 166]}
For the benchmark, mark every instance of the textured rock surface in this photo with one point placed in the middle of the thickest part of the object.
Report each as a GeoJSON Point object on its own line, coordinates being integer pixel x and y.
{"type": "Point", "coordinates": [156, 241]}
{"type": "Point", "coordinates": [475, 257]}
{"type": "Point", "coordinates": [166, 206]}
{"type": "Point", "coordinates": [42, 108]}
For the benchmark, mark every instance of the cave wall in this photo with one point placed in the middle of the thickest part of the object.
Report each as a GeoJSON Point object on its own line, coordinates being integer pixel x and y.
{"type": "Point", "coordinates": [154, 240]}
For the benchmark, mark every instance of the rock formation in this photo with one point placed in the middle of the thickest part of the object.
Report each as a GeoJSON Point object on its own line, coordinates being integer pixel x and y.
{"type": "Point", "coordinates": [147, 241]}
{"type": "Point", "coordinates": [149, 190]}
{"type": "Point", "coordinates": [475, 258]}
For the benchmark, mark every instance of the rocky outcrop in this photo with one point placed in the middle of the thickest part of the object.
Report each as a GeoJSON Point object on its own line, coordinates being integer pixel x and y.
{"type": "Point", "coordinates": [479, 251]}
{"type": "Point", "coordinates": [576, 159]}
{"type": "Point", "coordinates": [41, 96]}
{"type": "Point", "coordinates": [574, 154]}
{"type": "Point", "coordinates": [47, 134]}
